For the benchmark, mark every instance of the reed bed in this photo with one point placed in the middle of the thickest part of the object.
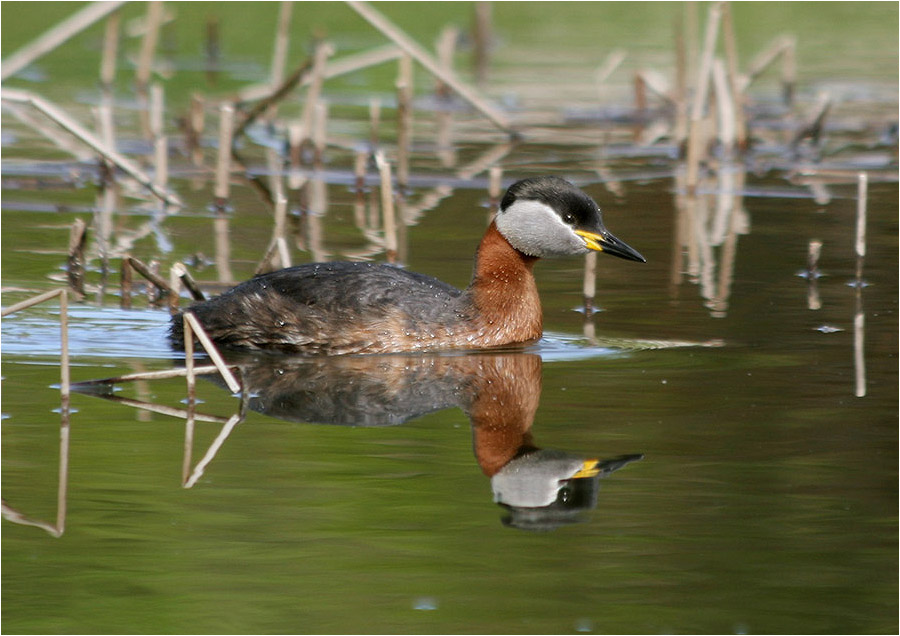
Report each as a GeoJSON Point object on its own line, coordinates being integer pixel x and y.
{"type": "Point", "coordinates": [700, 121]}
{"type": "Point", "coordinates": [699, 116]}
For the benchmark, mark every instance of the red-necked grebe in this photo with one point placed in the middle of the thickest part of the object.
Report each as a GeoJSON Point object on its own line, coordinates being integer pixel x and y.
{"type": "Point", "coordinates": [345, 308]}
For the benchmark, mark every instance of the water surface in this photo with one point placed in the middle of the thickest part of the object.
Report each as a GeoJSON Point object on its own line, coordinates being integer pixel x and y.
{"type": "Point", "coordinates": [743, 418]}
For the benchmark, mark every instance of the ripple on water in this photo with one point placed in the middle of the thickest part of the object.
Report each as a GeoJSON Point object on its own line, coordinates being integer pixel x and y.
{"type": "Point", "coordinates": [110, 332]}
{"type": "Point", "coordinates": [96, 332]}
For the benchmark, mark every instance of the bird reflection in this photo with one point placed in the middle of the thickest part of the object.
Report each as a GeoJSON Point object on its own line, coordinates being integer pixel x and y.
{"type": "Point", "coordinates": [540, 489]}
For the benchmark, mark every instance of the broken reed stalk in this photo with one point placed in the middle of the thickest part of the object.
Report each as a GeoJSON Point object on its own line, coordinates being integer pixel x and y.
{"type": "Point", "coordinates": [179, 270]}
{"type": "Point", "coordinates": [148, 44]}
{"type": "Point", "coordinates": [387, 207]}
{"type": "Point", "coordinates": [812, 129]}
{"type": "Point", "coordinates": [223, 162]}
{"type": "Point", "coordinates": [64, 383]}
{"type": "Point", "coordinates": [320, 132]}
{"type": "Point", "coordinates": [640, 104]}
{"type": "Point", "coordinates": [195, 124]}
{"type": "Point", "coordinates": [103, 223]}
{"type": "Point", "coordinates": [862, 196]}
{"type": "Point", "coordinates": [280, 214]}
{"type": "Point", "coordinates": [110, 50]}
{"type": "Point", "coordinates": [282, 40]}
{"type": "Point", "coordinates": [655, 83]}
{"type": "Point", "coordinates": [374, 122]}
{"type": "Point", "coordinates": [188, 336]}
{"type": "Point", "coordinates": [360, 161]}
{"type": "Point", "coordinates": [401, 39]}
{"type": "Point", "coordinates": [75, 259]}
{"type": "Point", "coordinates": [175, 286]}
{"type": "Point", "coordinates": [358, 61]}
{"type": "Point", "coordinates": [284, 254]}
{"type": "Point", "coordinates": [125, 276]}
{"type": "Point", "coordinates": [275, 96]}
{"type": "Point", "coordinates": [315, 197]}
{"type": "Point", "coordinates": [222, 238]}
{"type": "Point", "coordinates": [612, 61]}
{"type": "Point", "coordinates": [51, 133]}
{"type": "Point", "coordinates": [490, 157]}
{"type": "Point", "coordinates": [104, 117]}
{"type": "Point", "coordinates": [482, 36]}
{"type": "Point", "coordinates": [278, 245]}
{"type": "Point", "coordinates": [495, 181]}
{"type": "Point", "coordinates": [706, 62]}
{"type": "Point", "coordinates": [731, 59]}
{"type": "Point", "coordinates": [443, 114]}
{"type": "Point", "coordinates": [813, 301]}
{"type": "Point", "coordinates": [295, 153]}
{"type": "Point", "coordinates": [725, 108]}
{"type": "Point", "coordinates": [212, 49]}
{"type": "Point", "coordinates": [701, 95]}
{"type": "Point", "coordinates": [640, 95]}
{"type": "Point", "coordinates": [784, 46]}
{"type": "Point", "coordinates": [160, 283]}
{"type": "Point", "coordinates": [154, 292]}
{"type": "Point", "coordinates": [160, 141]}
{"type": "Point", "coordinates": [691, 15]}
{"type": "Point", "coordinates": [590, 282]}
{"type": "Point", "coordinates": [681, 81]}
{"type": "Point", "coordinates": [445, 47]}
{"type": "Point", "coordinates": [157, 107]}
{"type": "Point", "coordinates": [789, 70]}
{"type": "Point", "coordinates": [267, 262]}
{"type": "Point", "coordinates": [192, 327]}
{"type": "Point", "coordinates": [30, 302]}
{"type": "Point", "coordinates": [320, 57]}
{"type": "Point", "coordinates": [87, 137]}
{"type": "Point", "coordinates": [56, 36]}
{"type": "Point", "coordinates": [334, 68]}
{"type": "Point", "coordinates": [404, 120]}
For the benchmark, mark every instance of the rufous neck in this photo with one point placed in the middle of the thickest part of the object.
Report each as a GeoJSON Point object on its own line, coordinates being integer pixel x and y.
{"type": "Point", "coordinates": [496, 259]}
{"type": "Point", "coordinates": [504, 292]}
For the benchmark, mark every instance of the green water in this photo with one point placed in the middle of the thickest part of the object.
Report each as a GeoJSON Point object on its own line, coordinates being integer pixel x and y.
{"type": "Point", "coordinates": [766, 497]}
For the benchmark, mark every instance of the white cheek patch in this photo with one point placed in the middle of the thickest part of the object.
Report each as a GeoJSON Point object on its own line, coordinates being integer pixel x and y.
{"type": "Point", "coordinates": [535, 229]}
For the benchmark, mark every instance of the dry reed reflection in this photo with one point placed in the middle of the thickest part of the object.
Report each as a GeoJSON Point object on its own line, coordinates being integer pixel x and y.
{"type": "Point", "coordinates": [12, 514]}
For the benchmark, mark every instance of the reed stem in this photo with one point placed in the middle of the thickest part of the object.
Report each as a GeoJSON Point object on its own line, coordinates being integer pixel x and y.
{"type": "Point", "coordinates": [148, 44]}
{"type": "Point", "coordinates": [191, 322]}
{"type": "Point", "coordinates": [401, 39]}
{"type": "Point", "coordinates": [69, 124]}
{"type": "Point", "coordinates": [862, 197]}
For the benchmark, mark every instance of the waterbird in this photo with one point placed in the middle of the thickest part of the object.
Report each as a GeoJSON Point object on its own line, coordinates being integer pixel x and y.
{"type": "Point", "coordinates": [339, 308]}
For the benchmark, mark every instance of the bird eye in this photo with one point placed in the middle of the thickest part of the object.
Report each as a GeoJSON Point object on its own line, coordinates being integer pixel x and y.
{"type": "Point", "coordinates": [569, 218]}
